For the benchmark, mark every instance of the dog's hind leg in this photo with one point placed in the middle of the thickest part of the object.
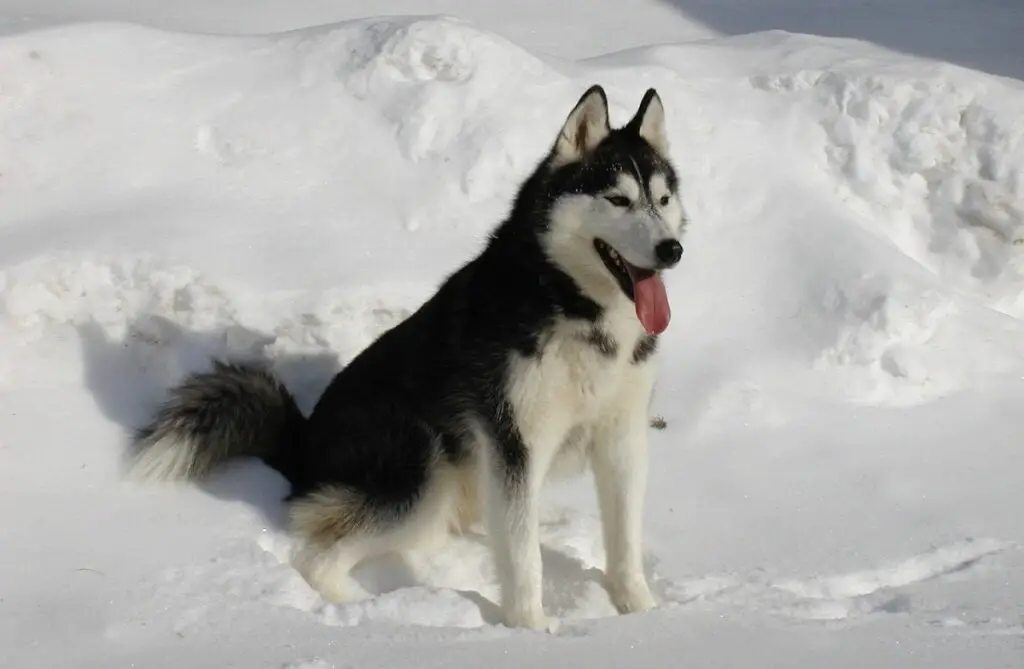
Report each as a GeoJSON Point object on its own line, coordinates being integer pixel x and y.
{"type": "Point", "coordinates": [468, 511]}
{"type": "Point", "coordinates": [340, 527]}
{"type": "Point", "coordinates": [337, 530]}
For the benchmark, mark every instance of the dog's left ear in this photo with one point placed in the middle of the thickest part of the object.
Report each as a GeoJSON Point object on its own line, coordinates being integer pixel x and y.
{"type": "Point", "coordinates": [649, 122]}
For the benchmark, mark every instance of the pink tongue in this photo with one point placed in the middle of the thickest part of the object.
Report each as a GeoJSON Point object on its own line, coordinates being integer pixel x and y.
{"type": "Point", "coordinates": [652, 304]}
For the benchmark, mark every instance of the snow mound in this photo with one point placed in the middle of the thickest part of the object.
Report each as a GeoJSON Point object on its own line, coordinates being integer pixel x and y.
{"type": "Point", "coordinates": [932, 160]}
{"type": "Point", "coordinates": [143, 325]}
{"type": "Point", "coordinates": [413, 72]}
{"type": "Point", "coordinates": [898, 343]}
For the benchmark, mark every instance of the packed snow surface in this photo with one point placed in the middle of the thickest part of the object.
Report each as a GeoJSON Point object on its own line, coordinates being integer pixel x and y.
{"type": "Point", "coordinates": [838, 477]}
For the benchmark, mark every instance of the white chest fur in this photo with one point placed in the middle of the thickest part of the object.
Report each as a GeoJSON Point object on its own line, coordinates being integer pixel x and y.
{"type": "Point", "coordinates": [583, 377]}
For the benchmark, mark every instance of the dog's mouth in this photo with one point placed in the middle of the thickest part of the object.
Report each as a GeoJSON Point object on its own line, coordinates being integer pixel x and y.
{"type": "Point", "coordinates": [643, 286]}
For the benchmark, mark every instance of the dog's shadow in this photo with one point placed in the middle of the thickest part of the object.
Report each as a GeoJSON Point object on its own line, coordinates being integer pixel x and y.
{"type": "Point", "coordinates": [129, 377]}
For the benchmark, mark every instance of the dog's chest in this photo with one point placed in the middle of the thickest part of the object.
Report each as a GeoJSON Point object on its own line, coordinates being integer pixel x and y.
{"type": "Point", "coordinates": [580, 370]}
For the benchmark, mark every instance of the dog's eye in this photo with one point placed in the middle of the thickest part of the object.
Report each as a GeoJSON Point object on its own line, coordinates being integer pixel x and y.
{"type": "Point", "coordinates": [664, 200]}
{"type": "Point", "coordinates": [618, 200]}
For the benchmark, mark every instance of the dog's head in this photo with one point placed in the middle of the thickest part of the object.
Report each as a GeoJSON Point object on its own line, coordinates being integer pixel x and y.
{"type": "Point", "coordinates": [615, 219]}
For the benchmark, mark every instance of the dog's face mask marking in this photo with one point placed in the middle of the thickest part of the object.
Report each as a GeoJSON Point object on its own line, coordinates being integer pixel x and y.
{"type": "Point", "coordinates": [619, 199]}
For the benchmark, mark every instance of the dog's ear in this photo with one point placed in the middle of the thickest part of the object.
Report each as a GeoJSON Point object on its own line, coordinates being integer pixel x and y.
{"type": "Point", "coordinates": [649, 122]}
{"type": "Point", "coordinates": [585, 127]}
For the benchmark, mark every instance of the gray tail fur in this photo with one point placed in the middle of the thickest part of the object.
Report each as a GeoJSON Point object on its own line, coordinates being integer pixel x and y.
{"type": "Point", "coordinates": [234, 410]}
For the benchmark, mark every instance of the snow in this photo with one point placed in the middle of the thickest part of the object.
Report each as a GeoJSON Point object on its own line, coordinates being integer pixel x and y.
{"type": "Point", "coordinates": [838, 479]}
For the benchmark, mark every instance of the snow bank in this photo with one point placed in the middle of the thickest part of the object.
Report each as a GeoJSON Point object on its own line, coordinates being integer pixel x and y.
{"type": "Point", "coordinates": [931, 160]}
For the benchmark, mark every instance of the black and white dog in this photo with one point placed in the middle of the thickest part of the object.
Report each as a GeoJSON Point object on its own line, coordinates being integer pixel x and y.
{"type": "Point", "coordinates": [536, 354]}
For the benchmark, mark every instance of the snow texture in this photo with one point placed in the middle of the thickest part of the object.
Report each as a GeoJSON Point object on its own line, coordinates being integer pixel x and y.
{"type": "Point", "coordinates": [836, 478]}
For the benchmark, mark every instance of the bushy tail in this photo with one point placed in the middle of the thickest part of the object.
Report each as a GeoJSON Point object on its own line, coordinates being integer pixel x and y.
{"type": "Point", "coordinates": [235, 410]}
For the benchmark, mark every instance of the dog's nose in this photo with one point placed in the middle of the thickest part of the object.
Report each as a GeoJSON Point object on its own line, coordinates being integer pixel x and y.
{"type": "Point", "coordinates": [668, 252]}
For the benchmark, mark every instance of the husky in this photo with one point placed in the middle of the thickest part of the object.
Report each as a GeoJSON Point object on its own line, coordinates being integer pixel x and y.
{"type": "Point", "coordinates": [535, 357]}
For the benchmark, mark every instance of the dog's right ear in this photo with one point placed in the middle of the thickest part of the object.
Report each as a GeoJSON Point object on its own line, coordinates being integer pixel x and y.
{"type": "Point", "coordinates": [585, 127]}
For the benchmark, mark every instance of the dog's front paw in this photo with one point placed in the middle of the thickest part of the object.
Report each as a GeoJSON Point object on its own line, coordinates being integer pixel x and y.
{"type": "Point", "coordinates": [630, 595]}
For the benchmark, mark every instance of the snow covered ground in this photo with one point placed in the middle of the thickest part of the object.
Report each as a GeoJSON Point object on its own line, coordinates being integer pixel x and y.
{"type": "Point", "coordinates": [839, 478]}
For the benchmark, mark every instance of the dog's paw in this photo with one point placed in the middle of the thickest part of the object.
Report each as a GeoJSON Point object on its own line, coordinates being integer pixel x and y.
{"type": "Point", "coordinates": [630, 595]}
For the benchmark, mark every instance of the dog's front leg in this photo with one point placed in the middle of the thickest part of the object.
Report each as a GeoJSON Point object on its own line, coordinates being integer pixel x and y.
{"type": "Point", "coordinates": [512, 478]}
{"type": "Point", "coordinates": [620, 473]}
